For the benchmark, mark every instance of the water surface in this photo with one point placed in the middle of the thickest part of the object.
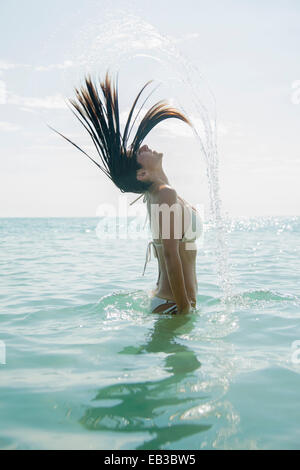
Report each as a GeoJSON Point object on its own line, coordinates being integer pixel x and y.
{"type": "Point", "coordinates": [87, 365]}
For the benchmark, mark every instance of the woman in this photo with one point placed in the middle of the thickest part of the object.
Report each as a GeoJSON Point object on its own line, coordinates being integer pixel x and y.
{"type": "Point", "coordinates": [175, 248]}
{"type": "Point", "coordinates": [139, 170]}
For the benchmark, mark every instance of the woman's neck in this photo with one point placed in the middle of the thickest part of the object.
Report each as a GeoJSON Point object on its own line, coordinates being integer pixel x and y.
{"type": "Point", "coordinates": [160, 178]}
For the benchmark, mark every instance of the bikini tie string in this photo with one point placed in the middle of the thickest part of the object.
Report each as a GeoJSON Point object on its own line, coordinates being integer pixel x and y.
{"type": "Point", "coordinates": [148, 252]}
{"type": "Point", "coordinates": [144, 198]}
{"type": "Point", "coordinates": [148, 256]}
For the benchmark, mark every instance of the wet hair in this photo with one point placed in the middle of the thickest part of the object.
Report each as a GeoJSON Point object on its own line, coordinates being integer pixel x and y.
{"type": "Point", "coordinates": [97, 109]}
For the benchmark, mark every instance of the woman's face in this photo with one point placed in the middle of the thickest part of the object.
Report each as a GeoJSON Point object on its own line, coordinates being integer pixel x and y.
{"type": "Point", "coordinates": [149, 159]}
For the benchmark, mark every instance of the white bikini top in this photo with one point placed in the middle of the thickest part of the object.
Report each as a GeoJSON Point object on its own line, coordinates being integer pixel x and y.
{"type": "Point", "coordinates": [193, 232]}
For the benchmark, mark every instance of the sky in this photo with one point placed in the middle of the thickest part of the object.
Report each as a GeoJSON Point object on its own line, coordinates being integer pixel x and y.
{"type": "Point", "coordinates": [236, 59]}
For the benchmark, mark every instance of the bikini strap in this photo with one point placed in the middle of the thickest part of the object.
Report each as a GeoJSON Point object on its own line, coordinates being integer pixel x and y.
{"type": "Point", "coordinates": [148, 251]}
{"type": "Point", "coordinates": [148, 255]}
{"type": "Point", "coordinates": [136, 199]}
{"type": "Point", "coordinates": [144, 198]}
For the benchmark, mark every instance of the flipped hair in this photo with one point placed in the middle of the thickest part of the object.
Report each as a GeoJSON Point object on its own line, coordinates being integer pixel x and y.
{"type": "Point", "coordinates": [97, 109]}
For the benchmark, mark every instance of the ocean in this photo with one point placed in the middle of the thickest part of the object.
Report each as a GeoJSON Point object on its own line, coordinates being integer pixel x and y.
{"type": "Point", "coordinates": [85, 365]}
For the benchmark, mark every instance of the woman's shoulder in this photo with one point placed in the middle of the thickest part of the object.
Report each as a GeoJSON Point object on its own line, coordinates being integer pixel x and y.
{"type": "Point", "coordinates": [166, 194]}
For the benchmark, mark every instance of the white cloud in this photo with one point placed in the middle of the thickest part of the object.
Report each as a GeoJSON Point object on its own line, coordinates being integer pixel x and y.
{"type": "Point", "coordinates": [8, 65]}
{"type": "Point", "coordinates": [229, 128]}
{"type": "Point", "coordinates": [2, 92]}
{"type": "Point", "coordinates": [47, 102]}
{"type": "Point", "coordinates": [8, 127]}
{"type": "Point", "coordinates": [45, 68]}
{"type": "Point", "coordinates": [39, 68]}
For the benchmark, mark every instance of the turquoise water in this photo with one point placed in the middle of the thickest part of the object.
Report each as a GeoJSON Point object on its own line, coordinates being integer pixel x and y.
{"type": "Point", "coordinates": [87, 366]}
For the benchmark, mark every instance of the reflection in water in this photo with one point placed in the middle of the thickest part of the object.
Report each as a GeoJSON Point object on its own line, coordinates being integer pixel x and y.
{"type": "Point", "coordinates": [151, 406]}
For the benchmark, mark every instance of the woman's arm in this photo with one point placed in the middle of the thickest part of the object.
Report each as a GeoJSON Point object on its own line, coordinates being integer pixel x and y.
{"type": "Point", "coordinates": [176, 280]}
{"type": "Point", "coordinates": [173, 215]}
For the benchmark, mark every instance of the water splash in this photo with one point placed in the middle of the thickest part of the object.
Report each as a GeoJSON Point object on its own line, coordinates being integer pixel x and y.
{"type": "Point", "coordinates": [124, 37]}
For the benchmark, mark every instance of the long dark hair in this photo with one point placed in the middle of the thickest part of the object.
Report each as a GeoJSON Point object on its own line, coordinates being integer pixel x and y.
{"type": "Point", "coordinates": [100, 117]}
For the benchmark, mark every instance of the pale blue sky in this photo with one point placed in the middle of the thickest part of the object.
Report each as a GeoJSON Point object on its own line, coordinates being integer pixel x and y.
{"type": "Point", "coordinates": [248, 51]}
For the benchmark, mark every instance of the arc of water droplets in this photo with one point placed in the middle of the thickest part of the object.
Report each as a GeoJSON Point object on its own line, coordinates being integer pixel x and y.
{"type": "Point", "coordinates": [122, 40]}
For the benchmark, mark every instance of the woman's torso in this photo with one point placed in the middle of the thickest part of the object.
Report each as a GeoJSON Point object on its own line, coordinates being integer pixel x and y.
{"type": "Point", "coordinates": [187, 257]}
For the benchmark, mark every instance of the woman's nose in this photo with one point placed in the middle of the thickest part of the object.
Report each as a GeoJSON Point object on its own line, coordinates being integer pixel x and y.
{"type": "Point", "coordinates": [144, 147]}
